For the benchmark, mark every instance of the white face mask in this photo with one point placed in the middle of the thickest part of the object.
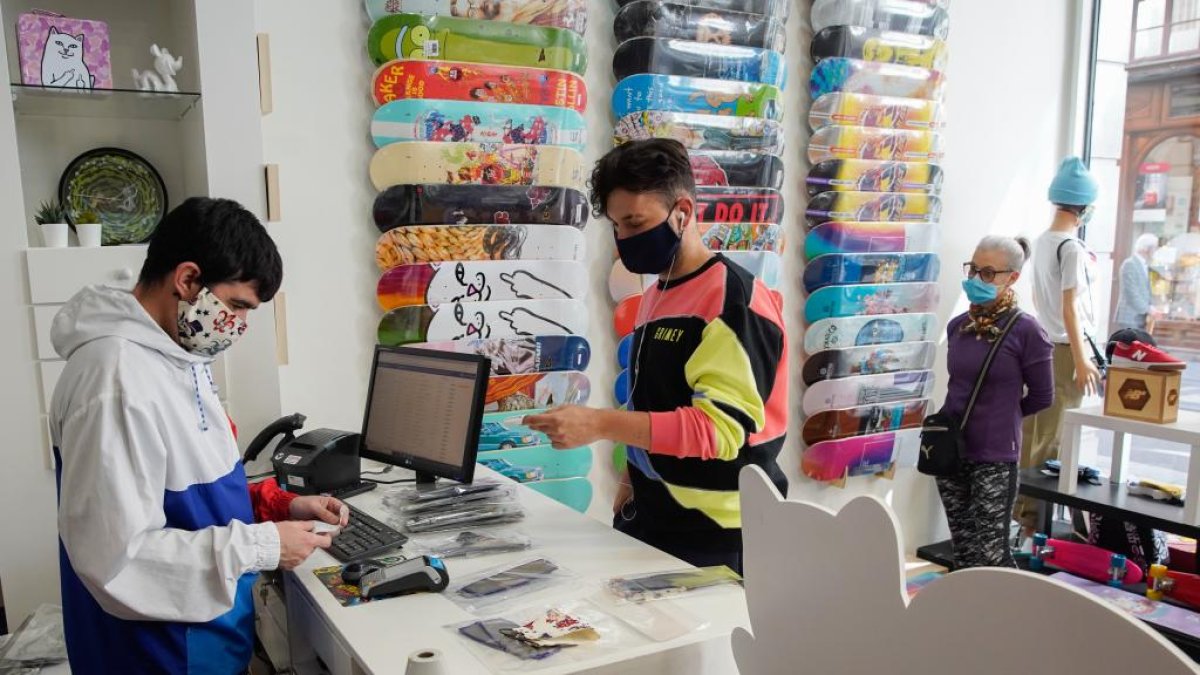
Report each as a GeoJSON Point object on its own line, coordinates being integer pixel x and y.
{"type": "Point", "coordinates": [207, 326]}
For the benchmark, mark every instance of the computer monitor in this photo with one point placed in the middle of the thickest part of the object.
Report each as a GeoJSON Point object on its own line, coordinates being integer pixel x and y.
{"type": "Point", "coordinates": [425, 410]}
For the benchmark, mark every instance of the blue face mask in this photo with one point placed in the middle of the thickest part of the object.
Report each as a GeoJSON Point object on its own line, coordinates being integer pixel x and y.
{"type": "Point", "coordinates": [979, 291]}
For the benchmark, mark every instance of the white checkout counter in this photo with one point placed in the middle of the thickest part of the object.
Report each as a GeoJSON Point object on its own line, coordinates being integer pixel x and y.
{"type": "Point", "coordinates": [378, 637]}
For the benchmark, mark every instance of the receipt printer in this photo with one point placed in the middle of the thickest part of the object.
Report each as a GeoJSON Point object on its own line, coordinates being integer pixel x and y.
{"type": "Point", "coordinates": [317, 462]}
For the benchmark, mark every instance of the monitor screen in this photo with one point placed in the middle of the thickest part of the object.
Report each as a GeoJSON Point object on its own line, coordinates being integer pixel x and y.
{"type": "Point", "coordinates": [424, 411]}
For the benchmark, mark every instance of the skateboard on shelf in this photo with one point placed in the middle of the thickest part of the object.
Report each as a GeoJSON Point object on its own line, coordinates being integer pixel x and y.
{"type": "Point", "coordinates": [836, 364]}
{"type": "Point", "coordinates": [453, 243]}
{"type": "Point", "coordinates": [413, 36]}
{"type": "Point", "coordinates": [834, 461]}
{"type": "Point", "coordinates": [622, 387]}
{"type": "Point", "coordinates": [837, 142]}
{"type": "Point", "coordinates": [763, 265]}
{"type": "Point", "coordinates": [625, 315]}
{"type": "Point", "coordinates": [555, 464]}
{"type": "Point", "coordinates": [703, 132]}
{"type": "Point", "coordinates": [860, 331]}
{"type": "Point", "coordinates": [850, 237]}
{"type": "Point", "coordinates": [536, 390]}
{"type": "Point", "coordinates": [1177, 619]}
{"type": "Point", "coordinates": [837, 269]}
{"type": "Point", "coordinates": [831, 425]}
{"type": "Point", "coordinates": [778, 8]}
{"type": "Point", "coordinates": [870, 175]}
{"type": "Point", "coordinates": [1084, 560]}
{"type": "Point", "coordinates": [476, 164]}
{"type": "Point", "coordinates": [1178, 586]}
{"type": "Point", "coordinates": [461, 121]}
{"type": "Point", "coordinates": [869, 77]}
{"type": "Point", "coordinates": [699, 59]}
{"type": "Point", "coordinates": [475, 320]}
{"type": "Point", "coordinates": [649, 18]}
{"type": "Point", "coordinates": [870, 300]}
{"type": "Point", "coordinates": [523, 355]}
{"type": "Point", "coordinates": [738, 205]}
{"type": "Point", "coordinates": [569, 14]}
{"type": "Point", "coordinates": [435, 204]}
{"type": "Point", "coordinates": [477, 83]}
{"type": "Point", "coordinates": [873, 207]}
{"type": "Point", "coordinates": [573, 493]}
{"type": "Point", "coordinates": [743, 236]}
{"type": "Point", "coordinates": [869, 110]}
{"type": "Point", "coordinates": [480, 281]}
{"type": "Point", "coordinates": [507, 431]}
{"type": "Point", "coordinates": [920, 17]}
{"type": "Point", "coordinates": [625, 351]}
{"type": "Point", "coordinates": [884, 46]}
{"type": "Point", "coordinates": [669, 93]}
{"type": "Point", "coordinates": [853, 392]}
{"type": "Point", "coordinates": [736, 168]}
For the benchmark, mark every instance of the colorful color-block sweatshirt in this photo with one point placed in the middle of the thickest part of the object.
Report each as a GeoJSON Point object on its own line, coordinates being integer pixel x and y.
{"type": "Point", "coordinates": [710, 355]}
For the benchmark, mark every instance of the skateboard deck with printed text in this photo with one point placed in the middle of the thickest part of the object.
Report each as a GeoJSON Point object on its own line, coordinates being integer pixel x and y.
{"type": "Point", "coordinates": [850, 237]}
{"type": "Point", "coordinates": [884, 46]}
{"type": "Point", "coordinates": [574, 493]}
{"type": "Point", "coordinates": [736, 168]}
{"type": "Point", "coordinates": [738, 205]}
{"type": "Point", "coordinates": [461, 121]}
{"type": "Point", "coordinates": [555, 464]}
{"type": "Point", "coordinates": [1174, 618]}
{"type": "Point", "coordinates": [698, 59]}
{"type": "Point", "coordinates": [868, 77]}
{"type": "Point", "coordinates": [476, 320]}
{"type": "Point", "coordinates": [837, 142]}
{"type": "Point", "coordinates": [743, 236]}
{"type": "Point", "coordinates": [413, 36]}
{"type": "Point", "coordinates": [855, 456]}
{"type": "Point", "coordinates": [650, 18]}
{"type": "Point", "coordinates": [667, 93]}
{"type": "Point", "coordinates": [478, 83]}
{"type": "Point", "coordinates": [869, 268]}
{"type": "Point", "coordinates": [480, 281]}
{"type": "Point", "coordinates": [868, 110]}
{"type": "Point", "coordinates": [569, 14]}
{"type": "Point", "coordinates": [859, 331]}
{"type": "Point", "coordinates": [703, 132]}
{"type": "Point", "coordinates": [834, 364]}
{"type": "Point", "coordinates": [452, 243]}
{"type": "Point", "coordinates": [870, 300]}
{"type": "Point", "coordinates": [920, 17]}
{"type": "Point", "coordinates": [852, 392]}
{"type": "Point", "coordinates": [831, 425]}
{"type": "Point", "coordinates": [779, 8]}
{"type": "Point", "coordinates": [536, 390]}
{"type": "Point", "coordinates": [523, 355]}
{"type": "Point", "coordinates": [869, 175]}
{"type": "Point", "coordinates": [476, 164]}
{"type": "Point", "coordinates": [437, 204]}
{"type": "Point", "coordinates": [873, 207]}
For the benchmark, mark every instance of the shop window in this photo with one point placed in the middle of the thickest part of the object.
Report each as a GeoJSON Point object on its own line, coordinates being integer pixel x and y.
{"type": "Point", "coordinates": [1166, 29]}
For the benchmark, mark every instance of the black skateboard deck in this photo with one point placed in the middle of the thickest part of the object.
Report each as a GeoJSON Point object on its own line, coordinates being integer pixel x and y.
{"type": "Point", "coordinates": [403, 205]}
{"type": "Point", "coordinates": [650, 18]}
{"type": "Point", "coordinates": [735, 168]}
{"type": "Point", "coordinates": [870, 44]}
{"type": "Point", "coordinates": [779, 8]}
{"type": "Point", "coordinates": [697, 59]}
{"type": "Point", "coordinates": [738, 205]}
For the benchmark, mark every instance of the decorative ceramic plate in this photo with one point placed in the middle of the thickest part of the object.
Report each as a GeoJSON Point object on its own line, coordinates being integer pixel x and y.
{"type": "Point", "coordinates": [122, 189]}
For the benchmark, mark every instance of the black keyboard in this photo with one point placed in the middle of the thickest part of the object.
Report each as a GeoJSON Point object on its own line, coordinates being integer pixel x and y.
{"type": "Point", "coordinates": [364, 537]}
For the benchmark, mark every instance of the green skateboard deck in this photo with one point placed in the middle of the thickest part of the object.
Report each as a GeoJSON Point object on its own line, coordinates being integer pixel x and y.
{"type": "Point", "coordinates": [476, 164]}
{"type": "Point", "coordinates": [574, 493]}
{"type": "Point", "coordinates": [474, 320]}
{"type": "Point", "coordinates": [569, 14]}
{"type": "Point", "coordinates": [557, 464]}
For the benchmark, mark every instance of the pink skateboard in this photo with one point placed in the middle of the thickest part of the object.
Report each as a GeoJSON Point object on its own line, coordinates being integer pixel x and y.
{"type": "Point", "coordinates": [834, 461]}
{"type": "Point", "coordinates": [1085, 560]}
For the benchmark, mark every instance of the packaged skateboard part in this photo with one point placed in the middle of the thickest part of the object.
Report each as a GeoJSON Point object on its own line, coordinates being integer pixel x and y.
{"type": "Point", "coordinates": [471, 544]}
{"type": "Point", "coordinates": [669, 93]}
{"type": "Point", "coordinates": [468, 515]}
{"type": "Point", "coordinates": [868, 175]}
{"type": "Point", "coordinates": [555, 627]}
{"type": "Point", "coordinates": [890, 207]}
{"type": "Point", "coordinates": [698, 59]}
{"type": "Point", "coordinates": [649, 18]}
{"type": "Point", "coordinates": [921, 17]}
{"type": "Point", "coordinates": [503, 494]}
{"type": "Point", "coordinates": [838, 142]}
{"type": "Point", "coordinates": [408, 120]}
{"type": "Point", "coordinates": [656, 586]}
{"type": "Point", "coordinates": [659, 621]}
{"type": "Point", "coordinates": [736, 168]}
{"type": "Point", "coordinates": [570, 14]}
{"type": "Point", "coordinates": [496, 634]}
{"type": "Point", "coordinates": [506, 583]}
{"type": "Point", "coordinates": [854, 76]}
{"type": "Point", "coordinates": [703, 132]}
{"type": "Point", "coordinates": [438, 204]}
{"type": "Point", "coordinates": [477, 82]}
{"type": "Point", "coordinates": [884, 46]}
{"type": "Point", "coordinates": [867, 110]}
{"type": "Point", "coordinates": [421, 493]}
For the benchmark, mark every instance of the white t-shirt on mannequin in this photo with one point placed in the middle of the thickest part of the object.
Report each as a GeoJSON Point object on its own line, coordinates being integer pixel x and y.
{"type": "Point", "coordinates": [1055, 271]}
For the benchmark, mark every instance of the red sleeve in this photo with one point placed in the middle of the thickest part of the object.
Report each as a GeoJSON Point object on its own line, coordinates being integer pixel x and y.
{"type": "Point", "coordinates": [270, 502]}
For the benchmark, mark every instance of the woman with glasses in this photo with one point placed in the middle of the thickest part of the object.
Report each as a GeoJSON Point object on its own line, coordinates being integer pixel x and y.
{"type": "Point", "coordinates": [979, 497]}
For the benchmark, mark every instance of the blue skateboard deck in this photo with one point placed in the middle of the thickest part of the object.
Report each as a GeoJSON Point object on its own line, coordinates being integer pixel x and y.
{"type": "Point", "coordinates": [869, 268]}
{"type": "Point", "coordinates": [649, 91]}
{"type": "Point", "coordinates": [523, 355]}
{"type": "Point", "coordinates": [870, 300]}
{"type": "Point", "coordinates": [625, 351]}
{"type": "Point", "coordinates": [622, 387]}
{"type": "Point", "coordinates": [859, 331]}
{"type": "Point", "coordinates": [555, 464]}
{"type": "Point", "coordinates": [848, 237]}
{"type": "Point", "coordinates": [467, 122]}
{"type": "Point", "coordinates": [703, 132]}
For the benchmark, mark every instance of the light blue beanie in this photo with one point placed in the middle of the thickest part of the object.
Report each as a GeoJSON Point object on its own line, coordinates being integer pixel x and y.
{"type": "Point", "coordinates": [1073, 185]}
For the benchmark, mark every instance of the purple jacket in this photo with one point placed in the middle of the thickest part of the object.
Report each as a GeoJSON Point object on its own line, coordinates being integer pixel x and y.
{"type": "Point", "coordinates": [1019, 383]}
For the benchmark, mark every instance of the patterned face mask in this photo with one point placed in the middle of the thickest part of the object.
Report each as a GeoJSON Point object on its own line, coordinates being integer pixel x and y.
{"type": "Point", "coordinates": [207, 326]}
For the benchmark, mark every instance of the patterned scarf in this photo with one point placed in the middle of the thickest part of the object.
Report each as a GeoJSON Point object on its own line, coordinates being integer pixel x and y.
{"type": "Point", "coordinates": [985, 322]}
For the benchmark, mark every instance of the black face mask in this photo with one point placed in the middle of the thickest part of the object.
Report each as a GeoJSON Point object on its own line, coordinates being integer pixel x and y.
{"type": "Point", "coordinates": [652, 251]}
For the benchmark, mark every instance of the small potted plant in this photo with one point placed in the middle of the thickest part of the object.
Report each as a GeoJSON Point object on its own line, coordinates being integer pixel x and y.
{"type": "Point", "coordinates": [53, 220]}
{"type": "Point", "coordinates": [89, 229]}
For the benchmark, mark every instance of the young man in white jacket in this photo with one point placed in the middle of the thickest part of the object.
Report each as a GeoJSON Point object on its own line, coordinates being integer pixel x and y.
{"type": "Point", "coordinates": [160, 536]}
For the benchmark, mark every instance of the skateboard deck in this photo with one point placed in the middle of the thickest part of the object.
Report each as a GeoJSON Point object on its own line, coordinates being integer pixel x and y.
{"type": "Point", "coordinates": [1083, 560]}
{"type": "Point", "coordinates": [649, 18]}
{"type": "Point", "coordinates": [855, 456]}
{"type": "Point", "coordinates": [858, 331]}
{"type": "Point", "coordinates": [413, 36]}
{"type": "Point", "coordinates": [536, 390]}
{"type": "Point", "coordinates": [884, 46]}
{"type": "Point", "coordinates": [853, 392]}
{"type": "Point", "coordinates": [625, 351]}
{"type": "Point", "coordinates": [868, 77]}
{"type": "Point", "coordinates": [569, 14]}
{"type": "Point", "coordinates": [622, 388]}
{"type": "Point", "coordinates": [920, 17]}
{"type": "Point", "coordinates": [699, 59]}
{"type": "Point", "coordinates": [434, 204]}
{"type": "Point", "coordinates": [463, 121]}
{"type": "Point", "coordinates": [738, 205]}
{"type": "Point", "coordinates": [574, 493]}
{"type": "Point", "coordinates": [1179, 586]}
{"type": "Point", "coordinates": [646, 91]}
{"type": "Point", "coordinates": [869, 268]}
{"type": "Point", "coordinates": [474, 320]}
{"type": "Point", "coordinates": [477, 82]}
{"type": "Point", "coordinates": [868, 175]}
{"type": "Point", "coordinates": [452, 243]}
{"type": "Point", "coordinates": [831, 425]}
{"type": "Point", "coordinates": [476, 164]}
{"type": "Point", "coordinates": [480, 281]}
{"type": "Point", "coordinates": [838, 142]}
{"type": "Point", "coordinates": [870, 300]}
{"type": "Point", "coordinates": [849, 237]}
{"type": "Point", "coordinates": [868, 110]}
{"type": "Point", "coordinates": [625, 315]}
{"type": "Point", "coordinates": [736, 168]}
{"type": "Point", "coordinates": [703, 132]}
{"type": "Point", "coordinates": [743, 236]}
{"type": "Point", "coordinates": [779, 8]}
{"type": "Point", "coordinates": [835, 364]}
{"type": "Point", "coordinates": [873, 207]}
{"type": "Point", "coordinates": [521, 356]}
{"type": "Point", "coordinates": [555, 464]}
{"type": "Point", "coordinates": [1151, 611]}
{"type": "Point", "coordinates": [763, 265]}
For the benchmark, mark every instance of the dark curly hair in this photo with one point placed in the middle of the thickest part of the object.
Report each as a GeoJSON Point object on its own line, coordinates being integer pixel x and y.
{"type": "Point", "coordinates": [658, 165]}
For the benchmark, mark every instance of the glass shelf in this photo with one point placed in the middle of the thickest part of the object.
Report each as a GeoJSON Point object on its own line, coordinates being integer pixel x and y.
{"type": "Point", "coordinates": [38, 101]}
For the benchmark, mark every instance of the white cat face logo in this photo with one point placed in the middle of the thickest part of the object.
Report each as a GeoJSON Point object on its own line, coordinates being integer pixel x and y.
{"type": "Point", "coordinates": [67, 46]}
{"type": "Point", "coordinates": [62, 62]}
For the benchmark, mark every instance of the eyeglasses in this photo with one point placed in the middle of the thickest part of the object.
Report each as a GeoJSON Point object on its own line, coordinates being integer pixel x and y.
{"type": "Point", "coordinates": [988, 274]}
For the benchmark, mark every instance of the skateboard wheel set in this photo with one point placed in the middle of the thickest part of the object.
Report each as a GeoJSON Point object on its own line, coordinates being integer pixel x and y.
{"type": "Point", "coordinates": [872, 232]}
{"type": "Point", "coordinates": [479, 134]}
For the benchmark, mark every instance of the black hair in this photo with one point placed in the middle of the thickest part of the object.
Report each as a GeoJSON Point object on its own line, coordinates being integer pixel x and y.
{"type": "Point", "coordinates": [659, 165]}
{"type": "Point", "coordinates": [222, 238]}
{"type": "Point", "coordinates": [1073, 209]}
{"type": "Point", "coordinates": [1026, 249]}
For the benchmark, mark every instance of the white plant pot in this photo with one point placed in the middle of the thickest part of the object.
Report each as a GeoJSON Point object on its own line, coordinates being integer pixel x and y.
{"type": "Point", "coordinates": [54, 235]}
{"type": "Point", "coordinates": [89, 234]}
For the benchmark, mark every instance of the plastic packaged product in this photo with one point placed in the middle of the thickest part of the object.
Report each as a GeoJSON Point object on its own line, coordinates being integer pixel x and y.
{"type": "Point", "coordinates": [422, 494]}
{"type": "Point", "coordinates": [467, 515]}
{"type": "Point", "coordinates": [658, 585]}
{"type": "Point", "coordinates": [659, 621]}
{"type": "Point", "coordinates": [500, 585]}
{"type": "Point", "coordinates": [39, 642]}
{"type": "Point", "coordinates": [471, 544]}
{"type": "Point", "coordinates": [501, 495]}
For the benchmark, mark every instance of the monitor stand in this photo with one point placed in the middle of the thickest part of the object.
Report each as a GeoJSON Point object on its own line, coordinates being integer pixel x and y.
{"type": "Point", "coordinates": [425, 479]}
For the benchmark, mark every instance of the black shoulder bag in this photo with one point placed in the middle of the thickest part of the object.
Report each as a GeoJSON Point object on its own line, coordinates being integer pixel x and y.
{"type": "Point", "coordinates": [942, 441]}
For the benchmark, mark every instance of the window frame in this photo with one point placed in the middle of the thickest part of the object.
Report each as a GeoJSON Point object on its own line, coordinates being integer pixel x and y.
{"type": "Point", "coordinates": [1162, 56]}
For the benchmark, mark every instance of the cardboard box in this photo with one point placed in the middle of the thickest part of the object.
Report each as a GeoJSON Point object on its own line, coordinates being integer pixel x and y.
{"type": "Point", "coordinates": [1145, 395]}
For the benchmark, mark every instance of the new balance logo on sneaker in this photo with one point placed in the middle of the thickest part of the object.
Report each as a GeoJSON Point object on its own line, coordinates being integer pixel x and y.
{"type": "Point", "coordinates": [1140, 355]}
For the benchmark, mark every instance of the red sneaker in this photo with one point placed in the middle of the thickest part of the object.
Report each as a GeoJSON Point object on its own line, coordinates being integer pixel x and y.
{"type": "Point", "coordinates": [1141, 355]}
